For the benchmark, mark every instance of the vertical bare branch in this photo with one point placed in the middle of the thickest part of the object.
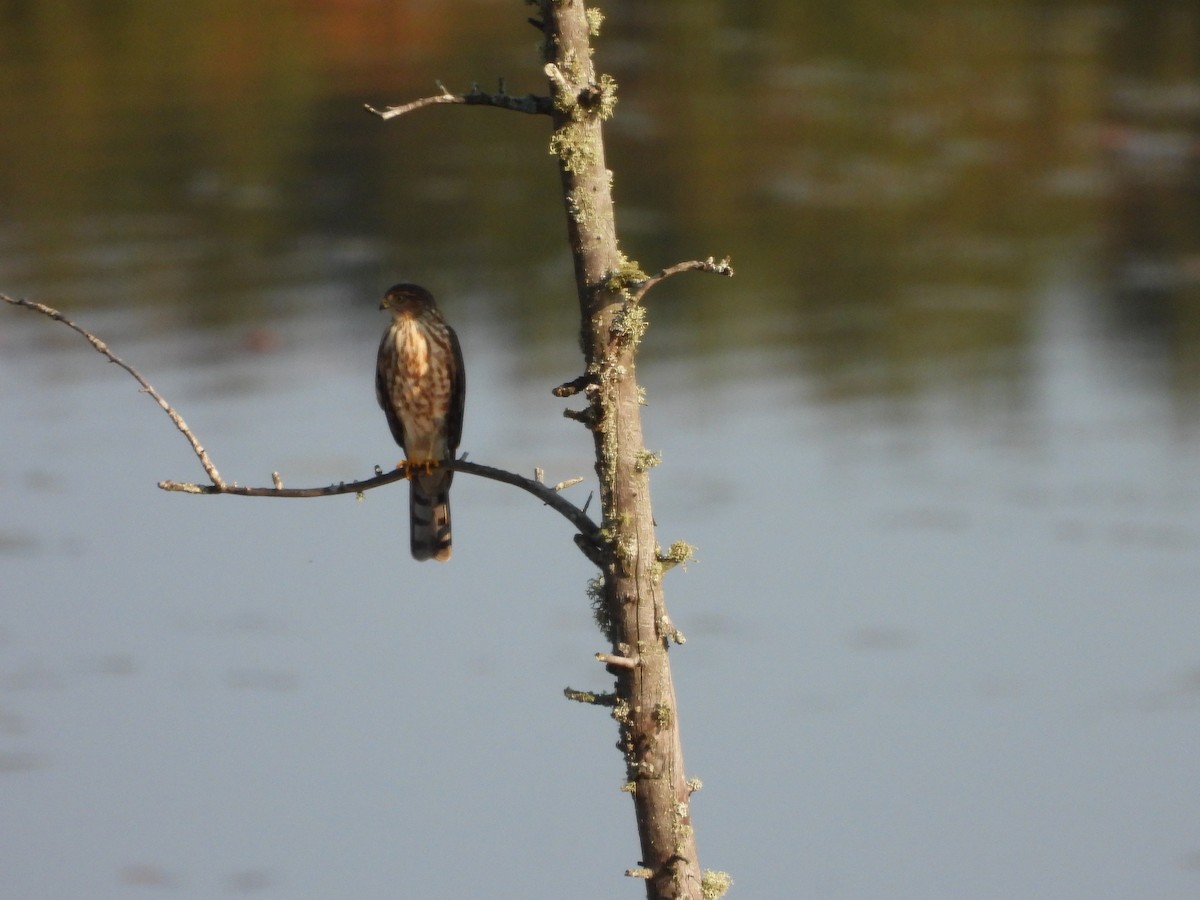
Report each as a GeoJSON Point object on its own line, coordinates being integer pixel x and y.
{"type": "Point", "coordinates": [631, 600]}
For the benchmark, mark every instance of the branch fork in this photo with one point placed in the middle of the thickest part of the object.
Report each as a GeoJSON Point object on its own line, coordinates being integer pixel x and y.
{"type": "Point", "coordinates": [589, 531]}
{"type": "Point", "coordinates": [710, 265]}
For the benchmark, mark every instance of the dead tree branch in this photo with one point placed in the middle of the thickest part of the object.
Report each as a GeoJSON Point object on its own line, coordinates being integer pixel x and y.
{"type": "Point", "coordinates": [628, 598]}
{"type": "Point", "coordinates": [551, 496]}
{"type": "Point", "coordinates": [547, 494]}
{"type": "Point", "coordinates": [101, 347]}
{"type": "Point", "coordinates": [531, 104]}
{"type": "Point", "coordinates": [696, 265]}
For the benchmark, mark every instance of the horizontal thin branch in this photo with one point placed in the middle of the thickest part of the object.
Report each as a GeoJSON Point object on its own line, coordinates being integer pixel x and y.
{"type": "Point", "coordinates": [545, 493]}
{"type": "Point", "coordinates": [695, 265]}
{"type": "Point", "coordinates": [102, 348]}
{"type": "Point", "coordinates": [532, 104]}
{"type": "Point", "coordinates": [588, 529]}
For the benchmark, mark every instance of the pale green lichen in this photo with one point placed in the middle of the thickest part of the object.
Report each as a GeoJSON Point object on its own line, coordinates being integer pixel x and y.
{"type": "Point", "coordinates": [646, 459]}
{"type": "Point", "coordinates": [565, 102]}
{"type": "Point", "coordinates": [605, 102]}
{"type": "Point", "coordinates": [679, 553]}
{"type": "Point", "coordinates": [665, 626]}
{"type": "Point", "coordinates": [629, 324]}
{"type": "Point", "coordinates": [578, 94]}
{"type": "Point", "coordinates": [595, 19]}
{"type": "Point", "coordinates": [573, 70]}
{"type": "Point", "coordinates": [627, 273]}
{"type": "Point", "coordinates": [600, 611]}
{"type": "Point", "coordinates": [625, 550]}
{"type": "Point", "coordinates": [621, 711]}
{"type": "Point", "coordinates": [683, 833]}
{"type": "Point", "coordinates": [664, 716]}
{"type": "Point", "coordinates": [574, 148]}
{"type": "Point", "coordinates": [713, 884]}
{"type": "Point", "coordinates": [590, 697]}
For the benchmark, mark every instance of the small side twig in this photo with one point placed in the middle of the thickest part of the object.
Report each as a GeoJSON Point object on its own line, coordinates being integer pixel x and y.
{"type": "Point", "coordinates": [604, 698]}
{"type": "Point", "coordinates": [558, 79]}
{"type": "Point", "coordinates": [584, 383]}
{"type": "Point", "coordinates": [586, 416]}
{"type": "Point", "coordinates": [532, 104]}
{"type": "Point", "coordinates": [721, 267]}
{"type": "Point", "coordinates": [620, 662]}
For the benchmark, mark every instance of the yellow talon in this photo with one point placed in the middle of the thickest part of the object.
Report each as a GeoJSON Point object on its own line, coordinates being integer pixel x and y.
{"type": "Point", "coordinates": [408, 466]}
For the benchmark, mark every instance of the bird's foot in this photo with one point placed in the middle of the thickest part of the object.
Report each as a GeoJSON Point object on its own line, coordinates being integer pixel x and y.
{"type": "Point", "coordinates": [410, 467]}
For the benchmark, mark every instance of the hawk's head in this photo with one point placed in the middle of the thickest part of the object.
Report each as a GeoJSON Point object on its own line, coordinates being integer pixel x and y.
{"type": "Point", "coordinates": [407, 298]}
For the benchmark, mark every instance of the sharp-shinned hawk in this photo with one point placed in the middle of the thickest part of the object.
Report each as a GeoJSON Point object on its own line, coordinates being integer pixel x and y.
{"type": "Point", "coordinates": [421, 386]}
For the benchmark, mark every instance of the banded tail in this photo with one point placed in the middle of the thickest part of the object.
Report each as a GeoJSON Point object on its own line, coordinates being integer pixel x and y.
{"type": "Point", "coordinates": [429, 516]}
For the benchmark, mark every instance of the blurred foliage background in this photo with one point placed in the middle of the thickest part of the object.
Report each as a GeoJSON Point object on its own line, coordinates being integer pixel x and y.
{"type": "Point", "coordinates": [901, 187]}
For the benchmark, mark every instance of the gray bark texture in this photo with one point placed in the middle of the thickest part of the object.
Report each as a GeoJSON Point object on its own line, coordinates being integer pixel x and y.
{"type": "Point", "coordinates": [630, 599]}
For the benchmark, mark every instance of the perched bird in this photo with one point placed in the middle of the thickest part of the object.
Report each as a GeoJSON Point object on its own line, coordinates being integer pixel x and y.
{"type": "Point", "coordinates": [421, 386]}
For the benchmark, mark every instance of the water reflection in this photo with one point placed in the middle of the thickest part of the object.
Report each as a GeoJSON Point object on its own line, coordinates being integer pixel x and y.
{"type": "Point", "coordinates": [914, 178]}
{"type": "Point", "coordinates": [896, 185]}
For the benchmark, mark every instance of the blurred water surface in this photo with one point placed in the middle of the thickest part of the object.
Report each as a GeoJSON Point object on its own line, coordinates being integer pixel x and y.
{"type": "Point", "coordinates": [936, 444]}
